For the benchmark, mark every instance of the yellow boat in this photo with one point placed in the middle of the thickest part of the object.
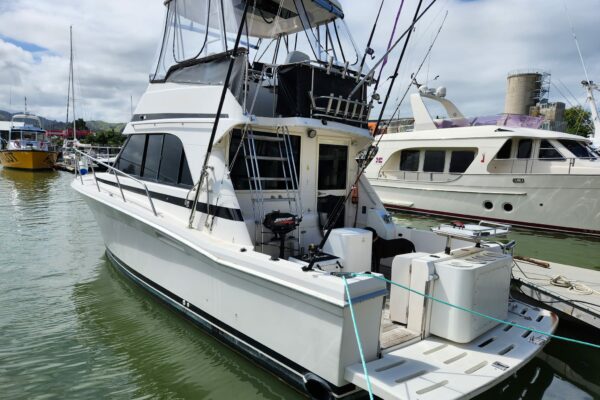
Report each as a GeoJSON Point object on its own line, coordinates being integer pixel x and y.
{"type": "Point", "coordinates": [27, 146]}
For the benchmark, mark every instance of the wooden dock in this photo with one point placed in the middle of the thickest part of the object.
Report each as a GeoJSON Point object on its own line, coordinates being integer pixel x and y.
{"type": "Point", "coordinates": [571, 290]}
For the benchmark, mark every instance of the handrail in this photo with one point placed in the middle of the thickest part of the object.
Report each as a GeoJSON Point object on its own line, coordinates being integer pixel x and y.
{"type": "Point", "coordinates": [117, 172]}
{"type": "Point", "coordinates": [419, 176]}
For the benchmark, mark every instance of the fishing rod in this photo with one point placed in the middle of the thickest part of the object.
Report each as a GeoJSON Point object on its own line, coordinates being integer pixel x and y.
{"type": "Point", "coordinates": [369, 153]}
{"type": "Point", "coordinates": [369, 50]}
{"type": "Point", "coordinates": [204, 173]}
{"type": "Point", "coordinates": [389, 44]}
{"type": "Point", "coordinates": [371, 72]}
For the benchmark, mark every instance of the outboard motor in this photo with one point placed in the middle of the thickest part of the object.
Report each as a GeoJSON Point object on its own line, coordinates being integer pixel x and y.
{"type": "Point", "coordinates": [280, 224]}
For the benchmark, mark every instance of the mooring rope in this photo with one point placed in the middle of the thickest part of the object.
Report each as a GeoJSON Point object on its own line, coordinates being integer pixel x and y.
{"type": "Point", "coordinates": [514, 324]}
{"type": "Point", "coordinates": [360, 350]}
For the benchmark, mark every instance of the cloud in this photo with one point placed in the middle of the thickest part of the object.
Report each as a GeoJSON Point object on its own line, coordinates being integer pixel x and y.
{"type": "Point", "coordinates": [116, 41]}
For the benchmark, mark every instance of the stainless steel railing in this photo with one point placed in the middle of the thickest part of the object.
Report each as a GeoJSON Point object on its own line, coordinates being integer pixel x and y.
{"type": "Point", "coordinates": [79, 154]}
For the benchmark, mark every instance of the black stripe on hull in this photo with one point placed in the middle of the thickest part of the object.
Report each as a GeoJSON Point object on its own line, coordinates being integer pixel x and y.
{"type": "Point", "coordinates": [155, 117]}
{"type": "Point", "coordinates": [232, 214]}
{"type": "Point", "coordinates": [277, 364]}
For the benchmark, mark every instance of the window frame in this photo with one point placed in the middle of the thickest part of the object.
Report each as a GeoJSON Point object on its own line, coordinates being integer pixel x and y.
{"type": "Point", "coordinates": [549, 147]}
{"type": "Point", "coordinates": [418, 162]}
{"type": "Point", "coordinates": [453, 152]}
{"type": "Point", "coordinates": [443, 160]}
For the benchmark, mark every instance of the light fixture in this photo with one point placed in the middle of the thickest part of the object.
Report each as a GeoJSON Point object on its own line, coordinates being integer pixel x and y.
{"type": "Point", "coordinates": [311, 133]}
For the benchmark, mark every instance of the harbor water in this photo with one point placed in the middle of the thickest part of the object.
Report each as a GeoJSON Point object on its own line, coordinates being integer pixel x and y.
{"type": "Point", "coordinates": [71, 326]}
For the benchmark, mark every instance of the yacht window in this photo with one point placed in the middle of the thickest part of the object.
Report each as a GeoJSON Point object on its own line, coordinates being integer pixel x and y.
{"type": "Point", "coordinates": [171, 160]}
{"type": "Point", "coordinates": [153, 154]}
{"type": "Point", "coordinates": [577, 148]}
{"type": "Point", "coordinates": [409, 160]}
{"type": "Point", "coordinates": [549, 152]}
{"type": "Point", "coordinates": [130, 160]}
{"type": "Point", "coordinates": [434, 161]}
{"type": "Point", "coordinates": [460, 160]}
{"type": "Point", "coordinates": [524, 150]}
{"type": "Point", "coordinates": [333, 167]}
{"type": "Point", "coordinates": [268, 153]}
{"type": "Point", "coordinates": [504, 153]}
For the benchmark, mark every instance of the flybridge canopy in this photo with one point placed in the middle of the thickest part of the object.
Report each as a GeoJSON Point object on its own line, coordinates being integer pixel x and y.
{"type": "Point", "coordinates": [266, 18]}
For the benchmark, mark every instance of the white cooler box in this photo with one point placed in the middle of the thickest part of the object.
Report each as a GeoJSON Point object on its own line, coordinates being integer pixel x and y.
{"type": "Point", "coordinates": [353, 246]}
{"type": "Point", "coordinates": [479, 282]}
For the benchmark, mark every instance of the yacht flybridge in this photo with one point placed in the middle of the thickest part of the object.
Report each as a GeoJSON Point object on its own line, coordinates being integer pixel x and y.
{"type": "Point", "coordinates": [501, 168]}
{"type": "Point", "coordinates": [249, 215]}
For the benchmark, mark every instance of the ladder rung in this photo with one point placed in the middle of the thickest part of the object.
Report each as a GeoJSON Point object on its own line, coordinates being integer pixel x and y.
{"type": "Point", "coordinates": [266, 138]}
{"type": "Point", "coordinates": [270, 179]}
{"type": "Point", "coordinates": [275, 199]}
{"type": "Point", "coordinates": [267, 158]}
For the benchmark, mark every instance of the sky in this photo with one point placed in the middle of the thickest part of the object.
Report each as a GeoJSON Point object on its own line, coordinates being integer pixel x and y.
{"type": "Point", "coordinates": [115, 43]}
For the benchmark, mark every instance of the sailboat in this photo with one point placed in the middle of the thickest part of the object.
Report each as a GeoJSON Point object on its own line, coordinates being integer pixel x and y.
{"type": "Point", "coordinates": [239, 200]}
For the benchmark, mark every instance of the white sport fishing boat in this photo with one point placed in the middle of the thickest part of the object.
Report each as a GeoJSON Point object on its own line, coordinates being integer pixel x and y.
{"type": "Point", "coordinates": [499, 168]}
{"type": "Point", "coordinates": [229, 229]}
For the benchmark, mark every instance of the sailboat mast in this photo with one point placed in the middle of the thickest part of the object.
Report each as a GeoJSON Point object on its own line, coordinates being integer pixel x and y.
{"type": "Point", "coordinates": [72, 83]}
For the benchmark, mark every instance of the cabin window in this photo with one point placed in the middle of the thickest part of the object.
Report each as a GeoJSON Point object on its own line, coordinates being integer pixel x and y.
{"type": "Point", "coordinates": [548, 151]}
{"type": "Point", "coordinates": [132, 155]}
{"type": "Point", "coordinates": [271, 168]}
{"type": "Point", "coordinates": [333, 167]}
{"type": "Point", "coordinates": [524, 149]}
{"type": "Point", "coordinates": [460, 161]}
{"type": "Point", "coordinates": [578, 149]}
{"type": "Point", "coordinates": [156, 157]}
{"type": "Point", "coordinates": [409, 160]}
{"type": "Point", "coordinates": [434, 161]}
{"type": "Point", "coordinates": [504, 153]}
{"type": "Point", "coordinates": [153, 155]}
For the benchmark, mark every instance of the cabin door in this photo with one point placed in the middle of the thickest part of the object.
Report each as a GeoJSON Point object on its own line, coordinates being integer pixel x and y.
{"type": "Point", "coordinates": [332, 181]}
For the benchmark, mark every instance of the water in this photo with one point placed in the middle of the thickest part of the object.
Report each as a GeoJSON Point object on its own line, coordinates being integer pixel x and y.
{"type": "Point", "coordinates": [72, 327]}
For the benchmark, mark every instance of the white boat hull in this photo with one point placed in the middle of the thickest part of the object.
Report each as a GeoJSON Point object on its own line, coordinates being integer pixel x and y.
{"type": "Point", "coordinates": [553, 202]}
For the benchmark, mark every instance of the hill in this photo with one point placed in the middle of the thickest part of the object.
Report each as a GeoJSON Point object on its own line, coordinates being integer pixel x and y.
{"type": "Point", "coordinates": [49, 124]}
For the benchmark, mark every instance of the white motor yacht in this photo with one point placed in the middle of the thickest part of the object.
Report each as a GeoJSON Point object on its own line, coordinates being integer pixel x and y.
{"type": "Point", "coordinates": [221, 210]}
{"type": "Point", "coordinates": [499, 168]}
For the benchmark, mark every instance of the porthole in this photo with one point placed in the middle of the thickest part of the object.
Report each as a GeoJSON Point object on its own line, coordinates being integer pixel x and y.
{"type": "Point", "coordinates": [488, 205]}
{"type": "Point", "coordinates": [507, 207]}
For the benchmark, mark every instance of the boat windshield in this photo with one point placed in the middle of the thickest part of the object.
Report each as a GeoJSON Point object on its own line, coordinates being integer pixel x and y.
{"type": "Point", "coordinates": [276, 32]}
{"type": "Point", "coordinates": [27, 120]}
{"type": "Point", "coordinates": [579, 149]}
{"type": "Point", "coordinates": [28, 136]}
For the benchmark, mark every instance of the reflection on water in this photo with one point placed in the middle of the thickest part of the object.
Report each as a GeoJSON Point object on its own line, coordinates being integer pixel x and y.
{"type": "Point", "coordinates": [71, 326]}
{"type": "Point", "coordinates": [564, 248]}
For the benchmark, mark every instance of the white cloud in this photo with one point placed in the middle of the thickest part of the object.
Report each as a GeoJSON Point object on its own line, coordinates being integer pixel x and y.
{"type": "Point", "coordinates": [115, 43]}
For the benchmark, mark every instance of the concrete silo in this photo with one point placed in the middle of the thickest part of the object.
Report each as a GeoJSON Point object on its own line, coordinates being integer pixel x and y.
{"type": "Point", "coordinates": [524, 90]}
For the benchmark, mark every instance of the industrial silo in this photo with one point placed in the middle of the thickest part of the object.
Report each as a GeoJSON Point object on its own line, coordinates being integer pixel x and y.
{"type": "Point", "coordinates": [524, 90]}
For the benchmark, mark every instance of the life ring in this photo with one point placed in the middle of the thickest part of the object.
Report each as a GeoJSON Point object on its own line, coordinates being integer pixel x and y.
{"type": "Point", "coordinates": [17, 143]}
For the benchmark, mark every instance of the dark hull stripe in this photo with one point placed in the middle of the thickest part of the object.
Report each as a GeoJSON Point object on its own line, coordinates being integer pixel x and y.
{"type": "Point", "coordinates": [252, 349]}
{"type": "Point", "coordinates": [518, 223]}
{"type": "Point", "coordinates": [154, 117]}
{"type": "Point", "coordinates": [233, 214]}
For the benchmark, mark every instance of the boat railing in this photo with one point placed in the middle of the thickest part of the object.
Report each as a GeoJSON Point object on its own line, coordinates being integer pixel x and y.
{"type": "Point", "coordinates": [536, 165]}
{"type": "Point", "coordinates": [79, 154]}
{"type": "Point", "coordinates": [419, 176]}
{"type": "Point", "coordinates": [339, 108]}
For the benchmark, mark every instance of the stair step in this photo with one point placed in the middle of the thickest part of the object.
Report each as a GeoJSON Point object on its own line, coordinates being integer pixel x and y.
{"type": "Point", "coordinates": [276, 199]}
{"type": "Point", "coordinates": [266, 158]}
{"type": "Point", "coordinates": [271, 179]}
{"type": "Point", "coordinates": [266, 138]}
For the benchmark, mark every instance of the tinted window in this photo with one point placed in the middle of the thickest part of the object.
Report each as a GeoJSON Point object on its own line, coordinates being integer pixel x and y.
{"type": "Point", "coordinates": [269, 166]}
{"type": "Point", "coordinates": [548, 152]}
{"type": "Point", "coordinates": [409, 160]}
{"type": "Point", "coordinates": [524, 150]}
{"type": "Point", "coordinates": [171, 160]}
{"type": "Point", "coordinates": [186, 176]}
{"type": "Point", "coordinates": [460, 160]}
{"type": "Point", "coordinates": [578, 149]}
{"type": "Point", "coordinates": [153, 154]}
{"type": "Point", "coordinates": [333, 166]}
{"type": "Point", "coordinates": [132, 155]}
{"type": "Point", "coordinates": [434, 161]}
{"type": "Point", "coordinates": [504, 152]}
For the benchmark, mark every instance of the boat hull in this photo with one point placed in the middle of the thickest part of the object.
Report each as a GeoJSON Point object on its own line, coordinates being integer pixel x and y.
{"type": "Point", "coordinates": [270, 324]}
{"type": "Point", "coordinates": [28, 159]}
{"type": "Point", "coordinates": [554, 203]}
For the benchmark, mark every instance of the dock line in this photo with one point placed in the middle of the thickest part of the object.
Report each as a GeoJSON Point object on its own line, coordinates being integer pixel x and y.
{"type": "Point", "coordinates": [550, 335]}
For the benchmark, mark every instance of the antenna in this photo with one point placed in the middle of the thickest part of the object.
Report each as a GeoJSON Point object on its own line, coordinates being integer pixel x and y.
{"type": "Point", "coordinates": [25, 104]}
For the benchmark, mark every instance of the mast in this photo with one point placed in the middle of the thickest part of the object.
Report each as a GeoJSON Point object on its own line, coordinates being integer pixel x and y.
{"type": "Point", "coordinates": [590, 87]}
{"type": "Point", "coordinates": [72, 83]}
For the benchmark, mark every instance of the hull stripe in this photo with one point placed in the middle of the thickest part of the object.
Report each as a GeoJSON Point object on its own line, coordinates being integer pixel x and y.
{"type": "Point", "coordinates": [474, 217]}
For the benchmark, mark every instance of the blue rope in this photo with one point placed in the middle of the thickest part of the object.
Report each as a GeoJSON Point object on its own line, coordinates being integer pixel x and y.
{"type": "Point", "coordinates": [566, 339]}
{"type": "Point", "coordinates": [360, 350]}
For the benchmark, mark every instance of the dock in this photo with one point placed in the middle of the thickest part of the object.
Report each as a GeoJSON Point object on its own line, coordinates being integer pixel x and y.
{"type": "Point", "coordinates": [570, 290]}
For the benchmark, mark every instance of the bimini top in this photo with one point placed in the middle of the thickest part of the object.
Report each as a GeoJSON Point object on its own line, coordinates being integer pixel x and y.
{"type": "Point", "coordinates": [266, 18]}
{"type": "Point", "coordinates": [26, 122]}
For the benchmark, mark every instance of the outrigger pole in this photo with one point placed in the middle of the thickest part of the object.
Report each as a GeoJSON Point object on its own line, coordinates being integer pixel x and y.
{"type": "Point", "coordinates": [371, 151]}
{"type": "Point", "coordinates": [203, 173]}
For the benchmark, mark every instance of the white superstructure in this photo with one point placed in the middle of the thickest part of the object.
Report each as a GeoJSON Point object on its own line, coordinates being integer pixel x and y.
{"type": "Point", "coordinates": [249, 265]}
{"type": "Point", "coordinates": [498, 168]}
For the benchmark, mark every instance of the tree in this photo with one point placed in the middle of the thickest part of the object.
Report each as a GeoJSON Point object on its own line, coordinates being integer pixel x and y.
{"type": "Point", "coordinates": [80, 125]}
{"type": "Point", "coordinates": [579, 121]}
{"type": "Point", "coordinates": [105, 138]}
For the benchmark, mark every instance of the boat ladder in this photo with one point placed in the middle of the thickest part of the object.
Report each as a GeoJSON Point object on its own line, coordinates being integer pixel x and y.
{"type": "Point", "coordinates": [260, 179]}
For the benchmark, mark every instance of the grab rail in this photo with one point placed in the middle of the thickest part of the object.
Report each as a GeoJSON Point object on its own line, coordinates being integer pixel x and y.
{"type": "Point", "coordinates": [116, 172]}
